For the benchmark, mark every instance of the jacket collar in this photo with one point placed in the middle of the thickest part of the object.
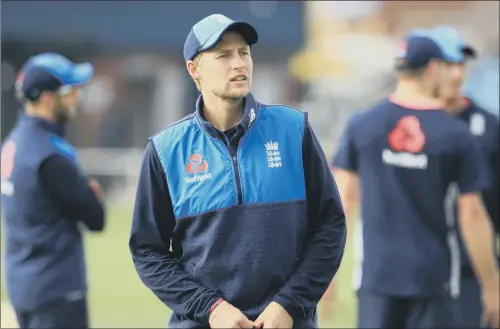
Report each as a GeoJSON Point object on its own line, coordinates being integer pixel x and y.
{"type": "Point", "coordinates": [55, 128]}
{"type": "Point", "coordinates": [250, 113]}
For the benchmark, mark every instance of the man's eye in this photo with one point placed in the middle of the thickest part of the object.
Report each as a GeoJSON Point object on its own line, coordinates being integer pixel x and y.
{"type": "Point", "coordinates": [224, 56]}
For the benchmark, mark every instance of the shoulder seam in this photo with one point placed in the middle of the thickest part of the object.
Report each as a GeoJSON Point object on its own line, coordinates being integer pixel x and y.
{"type": "Point", "coordinates": [304, 114]}
{"type": "Point", "coordinates": [282, 105]}
{"type": "Point", "coordinates": [186, 118]}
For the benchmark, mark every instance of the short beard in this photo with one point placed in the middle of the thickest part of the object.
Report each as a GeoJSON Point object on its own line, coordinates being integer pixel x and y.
{"type": "Point", "coordinates": [61, 115]}
{"type": "Point", "coordinates": [230, 97]}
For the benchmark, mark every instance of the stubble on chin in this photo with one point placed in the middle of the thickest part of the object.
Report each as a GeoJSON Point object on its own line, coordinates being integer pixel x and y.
{"type": "Point", "coordinates": [232, 96]}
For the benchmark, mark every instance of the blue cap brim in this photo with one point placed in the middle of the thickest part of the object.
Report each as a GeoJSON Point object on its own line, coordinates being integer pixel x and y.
{"type": "Point", "coordinates": [469, 52]}
{"type": "Point", "coordinates": [80, 74]}
{"type": "Point", "coordinates": [246, 30]}
{"type": "Point", "coordinates": [460, 55]}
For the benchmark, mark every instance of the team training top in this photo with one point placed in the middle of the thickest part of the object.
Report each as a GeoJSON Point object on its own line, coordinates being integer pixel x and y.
{"type": "Point", "coordinates": [408, 161]}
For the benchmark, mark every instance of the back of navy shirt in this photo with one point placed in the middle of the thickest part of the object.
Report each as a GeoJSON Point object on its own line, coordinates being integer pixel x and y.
{"type": "Point", "coordinates": [407, 161]}
{"type": "Point", "coordinates": [484, 127]}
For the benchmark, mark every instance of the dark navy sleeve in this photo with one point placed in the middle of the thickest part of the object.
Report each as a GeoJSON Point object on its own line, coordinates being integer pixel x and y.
{"type": "Point", "coordinates": [152, 226]}
{"type": "Point", "coordinates": [492, 196]}
{"type": "Point", "coordinates": [346, 157]}
{"type": "Point", "coordinates": [472, 172]}
{"type": "Point", "coordinates": [70, 190]}
{"type": "Point", "coordinates": [326, 237]}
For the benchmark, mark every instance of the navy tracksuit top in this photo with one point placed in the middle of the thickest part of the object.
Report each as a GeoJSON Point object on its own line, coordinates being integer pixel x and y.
{"type": "Point", "coordinates": [250, 220]}
{"type": "Point", "coordinates": [44, 256]}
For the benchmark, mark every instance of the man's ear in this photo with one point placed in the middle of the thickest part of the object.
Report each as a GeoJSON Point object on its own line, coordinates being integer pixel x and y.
{"type": "Point", "coordinates": [433, 67]}
{"type": "Point", "coordinates": [192, 68]}
{"type": "Point", "coordinates": [46, 97]}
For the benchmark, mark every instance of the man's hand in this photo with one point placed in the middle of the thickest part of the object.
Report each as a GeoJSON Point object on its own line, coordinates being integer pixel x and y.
{"type": "Point", "coordinates": [328, 300]}
{"type": "Point", "coordinates": [274, 316]}
{"type": "Point", "coordinates": [491, 305]}
{"type": "Point", "coordinates": [96, 187]}
{"type": "Point", "coordinates": [226, 315]}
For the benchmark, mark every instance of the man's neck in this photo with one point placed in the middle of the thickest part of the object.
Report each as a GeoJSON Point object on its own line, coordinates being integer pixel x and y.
{"type": "Point", "coordinates": [414, 93]}
{"type": "Point", "coordinates": [39, 112]}
{"type": "Point", "coordinates": [223, 114]}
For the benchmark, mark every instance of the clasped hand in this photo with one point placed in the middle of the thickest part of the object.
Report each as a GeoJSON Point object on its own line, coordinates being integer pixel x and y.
{"type": "Point", "coordinates": [228, 316]}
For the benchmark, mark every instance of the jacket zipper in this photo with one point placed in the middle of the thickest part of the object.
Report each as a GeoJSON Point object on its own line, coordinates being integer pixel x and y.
{"type": "Point", "coordinates": [233, 153]}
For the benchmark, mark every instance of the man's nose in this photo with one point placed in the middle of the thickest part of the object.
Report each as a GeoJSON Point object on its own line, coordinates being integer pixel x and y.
{"type": "Point", "coordinates": [238, 62]}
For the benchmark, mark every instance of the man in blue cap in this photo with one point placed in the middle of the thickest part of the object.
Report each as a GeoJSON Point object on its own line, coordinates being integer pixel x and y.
{"type": "Point", "coordinates": [45, 198]}
{"type": "Point", "coordinates": [408, 156]}
{"type": "Point", "coordinates": [237, 220]}
{"type": "Point", "coordinates": [484, 127]}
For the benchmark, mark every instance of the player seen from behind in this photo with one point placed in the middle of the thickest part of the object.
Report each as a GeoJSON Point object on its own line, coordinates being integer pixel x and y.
{"type": "Point", "coordinates": [406, 160]}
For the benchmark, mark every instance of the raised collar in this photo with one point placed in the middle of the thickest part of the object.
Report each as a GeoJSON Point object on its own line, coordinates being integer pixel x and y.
{"type": "Point", "coordinates": [250, 113]}
{"type": "Point", "coordinates": [55, 128]}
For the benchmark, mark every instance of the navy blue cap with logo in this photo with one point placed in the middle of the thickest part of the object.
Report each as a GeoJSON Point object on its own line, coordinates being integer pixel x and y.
{"type": "Point", "coordinates": [207, 33]}
{"type": "Point", "coordinates": [421, 46]}
{"type": "Point", "coordinates": [50, 72]}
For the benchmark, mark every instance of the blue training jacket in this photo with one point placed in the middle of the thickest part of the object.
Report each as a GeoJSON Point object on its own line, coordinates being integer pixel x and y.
{"type": "Point", "coordinates": [254, 221]}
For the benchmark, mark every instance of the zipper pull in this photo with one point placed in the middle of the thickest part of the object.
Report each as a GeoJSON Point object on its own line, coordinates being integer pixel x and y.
{"type": "Point", "coordinates": [234, 159]}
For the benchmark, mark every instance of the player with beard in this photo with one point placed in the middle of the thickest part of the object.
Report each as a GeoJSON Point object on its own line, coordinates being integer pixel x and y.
{"type": "Point", "coordinates": [237, 220]}
{"type": "Point", "coordinates": [45, 198]}
{"type": "Point", "coordinates": [484, 127]}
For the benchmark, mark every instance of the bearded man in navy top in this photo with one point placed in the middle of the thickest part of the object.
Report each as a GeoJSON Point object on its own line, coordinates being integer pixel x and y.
{"type": "Point", "coordinates": [46, 198]}
{"type": "Point", "coordinates": [484, 127]}
{"type": "Point", "coordinates": [237, 220]}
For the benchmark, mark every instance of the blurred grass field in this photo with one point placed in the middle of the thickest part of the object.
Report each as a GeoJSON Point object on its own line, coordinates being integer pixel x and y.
{"type": "Point", "coordinates": [118, 299]}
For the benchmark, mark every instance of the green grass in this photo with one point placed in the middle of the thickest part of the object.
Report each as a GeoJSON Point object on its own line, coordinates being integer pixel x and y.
{"type": "Point", "coordinates": [118, 299]}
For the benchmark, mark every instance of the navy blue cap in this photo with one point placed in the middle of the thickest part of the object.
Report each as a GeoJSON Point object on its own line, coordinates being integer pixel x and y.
{"type": "Point", "coordinates": [51, 72]}
{"type": "Point", "coordinates": [207, 33]}
{"type": "Point", "coordinates": [421, 46]}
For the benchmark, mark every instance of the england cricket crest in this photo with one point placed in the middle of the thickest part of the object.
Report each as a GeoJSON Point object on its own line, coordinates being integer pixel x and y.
{"type": "Point", "coordinates": [477, 124]}
{"type": "Point", "coordinates": [273, 155]}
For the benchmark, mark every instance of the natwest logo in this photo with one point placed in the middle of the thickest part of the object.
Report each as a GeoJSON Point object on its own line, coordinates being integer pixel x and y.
{"type": "Point", "coordinates": [407, 136]}
{"type": "Point", "coordinates": [196, 165]}
{"type": "Point", "coordinates": [407, 141]}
